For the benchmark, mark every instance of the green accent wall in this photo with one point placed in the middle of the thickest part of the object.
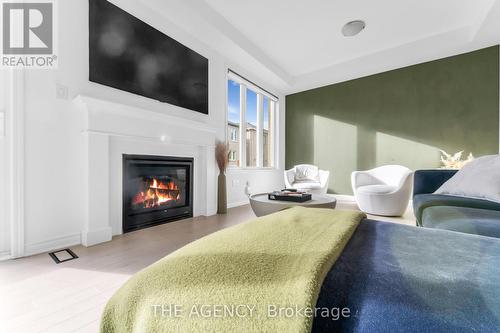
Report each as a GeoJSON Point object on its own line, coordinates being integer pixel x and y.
{"type": "Point", "coordinates": [399, 117]}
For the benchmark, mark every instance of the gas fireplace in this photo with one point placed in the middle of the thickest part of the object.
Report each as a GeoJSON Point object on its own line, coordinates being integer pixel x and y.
{"type": "Point", "coordinates": [156, 190]}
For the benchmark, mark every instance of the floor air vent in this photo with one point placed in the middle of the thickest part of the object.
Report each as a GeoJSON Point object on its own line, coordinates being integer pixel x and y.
{"type": "Point", "coordinates": [63, 255]}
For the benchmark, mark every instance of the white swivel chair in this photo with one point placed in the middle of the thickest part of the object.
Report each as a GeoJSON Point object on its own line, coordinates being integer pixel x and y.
{"type": "Point", "coordinates": [317, 184]}
{"type": "Point", "coordinates": [384, 191]}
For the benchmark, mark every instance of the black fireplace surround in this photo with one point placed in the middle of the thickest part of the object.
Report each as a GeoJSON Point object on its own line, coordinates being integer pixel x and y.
{"type": "Point", "coordinates": [156, 190]}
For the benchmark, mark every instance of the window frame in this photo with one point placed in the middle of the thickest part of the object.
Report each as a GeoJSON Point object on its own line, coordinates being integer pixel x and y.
{"type": "Point", "coordinates": [273, 107]}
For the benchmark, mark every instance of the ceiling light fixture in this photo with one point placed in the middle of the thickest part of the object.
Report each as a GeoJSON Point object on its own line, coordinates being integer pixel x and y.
{"type": "Point", "coordinates": [353, 28]}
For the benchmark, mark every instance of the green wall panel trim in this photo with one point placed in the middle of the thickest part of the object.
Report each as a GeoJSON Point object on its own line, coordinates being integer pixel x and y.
{"type": "Point", "coordinates": [399, 117]}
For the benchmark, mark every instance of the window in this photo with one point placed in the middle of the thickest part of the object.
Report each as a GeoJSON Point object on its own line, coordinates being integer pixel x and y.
{"type": "Point", "coordinates": [250, 123]}
{"type": "Point", "coordinates": [234, 134]}
{"type": "Point", "coordinates": [267, 110]}
{"type": "Point", "coordinates": [232, 156]}
{"type": "Point", "coordinates": [233, 121]}
{"type": "Point", "coordinates": [251, 130]}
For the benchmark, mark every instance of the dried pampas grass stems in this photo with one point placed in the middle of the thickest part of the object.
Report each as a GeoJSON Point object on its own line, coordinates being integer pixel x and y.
{"type": "Point", "coordinates": [221, 156]}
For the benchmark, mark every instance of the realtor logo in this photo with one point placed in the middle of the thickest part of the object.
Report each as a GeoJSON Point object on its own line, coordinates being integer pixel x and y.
{"type": "Point", "coordinates": [28, 34]}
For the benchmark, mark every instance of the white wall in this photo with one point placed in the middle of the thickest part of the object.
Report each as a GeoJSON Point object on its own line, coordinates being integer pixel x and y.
{"type": "Point", "coordinates": [54, 203]}
{"type": "Point", "coordinates": [4, 222]}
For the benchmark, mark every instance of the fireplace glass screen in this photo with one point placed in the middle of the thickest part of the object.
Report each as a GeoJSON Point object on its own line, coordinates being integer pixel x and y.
{"type": "Point", "coordinates": [155, 190]}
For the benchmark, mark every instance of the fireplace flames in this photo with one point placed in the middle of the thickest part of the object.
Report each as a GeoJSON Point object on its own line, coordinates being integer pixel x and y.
{"type": "Point", "coordinates": [156, 193]}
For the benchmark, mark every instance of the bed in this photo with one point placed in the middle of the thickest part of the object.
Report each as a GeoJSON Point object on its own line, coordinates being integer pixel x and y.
{"type": "Point", "coordinates": [397, 278]}
{"type": "Point", "coordinates": [389, 277]}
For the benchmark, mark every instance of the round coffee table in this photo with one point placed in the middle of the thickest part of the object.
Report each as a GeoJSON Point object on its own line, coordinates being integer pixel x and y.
{"type": "Point", "coordinates": [261, 205]}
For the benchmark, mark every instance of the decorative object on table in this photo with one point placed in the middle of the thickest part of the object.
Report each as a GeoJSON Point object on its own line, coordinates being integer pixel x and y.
{"type": "Point", "coordinates": [454, 161]}
{"type": "Point", "coordinates": [221, 156]}
{"type": "Point", "coordinates": [261, 205]}
{"type": "Point", "coordinates": [383, 191]}
{"type": "Point", "coordinates": [287, 195]}
{"type": "Point", "coordinates": [306, 177]}
{"type": "Point", "coordinates": [248, 189]}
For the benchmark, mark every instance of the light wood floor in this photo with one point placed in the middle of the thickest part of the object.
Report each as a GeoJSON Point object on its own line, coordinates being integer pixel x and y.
{"type": "Point", "coordinates": [37, 295]}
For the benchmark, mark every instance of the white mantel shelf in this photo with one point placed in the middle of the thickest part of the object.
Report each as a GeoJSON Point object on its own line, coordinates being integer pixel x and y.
{"type": "Point", "coordinates": [163, 139]}
{"type": "Point", "coordinates": [112, 129]}
{"type": "Point", "coordinates": [102, 115]}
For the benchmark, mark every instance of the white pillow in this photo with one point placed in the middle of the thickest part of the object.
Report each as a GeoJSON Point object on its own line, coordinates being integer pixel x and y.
{"type": "Point", "coordinates": [478, 179]}
{"type": "Point", "coordinates": [306, 173]}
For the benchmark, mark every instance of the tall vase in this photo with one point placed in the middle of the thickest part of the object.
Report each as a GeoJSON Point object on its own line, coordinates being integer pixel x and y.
{"type": "Point", "coordinates": [221, 194]}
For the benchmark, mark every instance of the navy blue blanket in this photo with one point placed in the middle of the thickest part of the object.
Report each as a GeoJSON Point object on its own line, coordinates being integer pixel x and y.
{"type": "Point", "coordinates": [397, 278]}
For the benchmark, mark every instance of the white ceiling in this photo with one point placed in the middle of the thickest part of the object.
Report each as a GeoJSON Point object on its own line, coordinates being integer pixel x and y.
{"type": "Point", "coordinates": [304, 36]}
{"type": "Point", "coordinates": [297, 44]}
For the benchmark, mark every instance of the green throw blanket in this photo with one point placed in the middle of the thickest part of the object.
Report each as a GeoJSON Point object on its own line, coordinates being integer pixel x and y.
{"type": "Point", "coordinates": [258, 276]}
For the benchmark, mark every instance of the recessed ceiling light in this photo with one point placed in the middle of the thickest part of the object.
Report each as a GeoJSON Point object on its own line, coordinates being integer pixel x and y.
{"type": "Point", "coordinates": [353, 28]}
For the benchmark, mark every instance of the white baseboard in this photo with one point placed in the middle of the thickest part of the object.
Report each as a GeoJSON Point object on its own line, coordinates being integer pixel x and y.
{"type": "Point", "coordinates": [53, 244]}
{"type": "Point", "coordinates": [94, 237]}
{"type": "Point", "coordinates": [344, 198]}
{"type": "Point", "coordinates": [5, 255]}
{"type": "Point", "coordinates": [237, 204]}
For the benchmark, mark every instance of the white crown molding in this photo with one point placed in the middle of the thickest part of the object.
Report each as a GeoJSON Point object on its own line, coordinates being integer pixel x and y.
{"type": "Point", "coordinates": [482, 19]}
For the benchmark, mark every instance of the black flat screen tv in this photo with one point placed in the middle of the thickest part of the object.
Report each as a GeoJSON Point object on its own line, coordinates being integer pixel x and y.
{"type": "Point", "coordinates": [130, 55]}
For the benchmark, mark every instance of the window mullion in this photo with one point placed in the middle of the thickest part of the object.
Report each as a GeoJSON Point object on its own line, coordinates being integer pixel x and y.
{"type": "Point", "coordinates": [275, 132]}
{"type": "Point", "coordinates": [243, 125]}
{"type": "Point", "coordinates": [271, 134]}
{"type": "Point", "coordinates": [260, 132]}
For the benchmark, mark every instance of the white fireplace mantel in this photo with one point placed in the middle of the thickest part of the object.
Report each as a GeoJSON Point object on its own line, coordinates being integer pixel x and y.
{"type": "Point", "coordinates": [101, 118]}
{"type": "Point", "coordinates": [111, 130]}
